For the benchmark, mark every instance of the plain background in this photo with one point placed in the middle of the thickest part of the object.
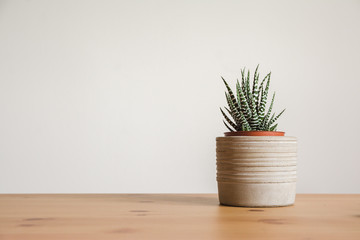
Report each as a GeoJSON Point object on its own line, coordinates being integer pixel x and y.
{"type": "Point", "coordinates": [124, 96]}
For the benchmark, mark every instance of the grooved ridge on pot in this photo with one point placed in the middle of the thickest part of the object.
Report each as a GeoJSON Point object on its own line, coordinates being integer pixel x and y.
{"type": "Point", "coordinates": [256, 170]}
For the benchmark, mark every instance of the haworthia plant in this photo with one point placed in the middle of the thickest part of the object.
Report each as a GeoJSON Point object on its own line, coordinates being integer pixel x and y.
{"type": "Point", "coordinates": [247, 106]}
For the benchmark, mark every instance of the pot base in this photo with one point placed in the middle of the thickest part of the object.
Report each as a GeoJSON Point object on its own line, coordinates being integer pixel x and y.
{"type": "Point", "coordinates": [258, 206]}
{"type": "Point", "coordinates": [257, 194]}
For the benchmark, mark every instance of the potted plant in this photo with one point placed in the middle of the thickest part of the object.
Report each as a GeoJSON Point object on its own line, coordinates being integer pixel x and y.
{"type": "Point", "coordinates": [256, 164]}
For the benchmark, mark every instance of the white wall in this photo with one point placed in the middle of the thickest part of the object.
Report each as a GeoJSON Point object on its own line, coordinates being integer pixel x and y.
{"type": "Point", "coordinates": [124, 96]}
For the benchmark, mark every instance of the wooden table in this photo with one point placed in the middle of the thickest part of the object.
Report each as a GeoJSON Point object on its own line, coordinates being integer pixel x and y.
{"type": "Point", "coordinates": [174, 216]}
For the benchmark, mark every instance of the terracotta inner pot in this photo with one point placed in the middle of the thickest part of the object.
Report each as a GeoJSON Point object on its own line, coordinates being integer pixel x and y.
{"type": "Point", "coordinates": [254, 133]}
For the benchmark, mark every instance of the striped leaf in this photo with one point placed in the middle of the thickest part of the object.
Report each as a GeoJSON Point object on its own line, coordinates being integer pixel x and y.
{"type": "Point", "coordinates": [246, 108]}
{"type": "Point", "coordinates": [276, 118]}
{"type": "Point", "coordinates": [238, 123]}
{"type": "Point", "coordinates": [245, 124]}
{"type": "Point", "coordinates": [267, 126]}
{"type": "Point", "coordinates": [264, 98]}
{"type": "Point", "coordinates": [254, 119]}
{"type": "Point", "coordinates": [234, 113]}
{"type": "Point", "coordinates": [254, 122]}
{"type": "Point", "coordinates": [273, 128]}
{"type": "Point", "coordinates": [238, 93]}
{"type": "Point", "coordinates": [264, 80]}
{"type": "Point", "coordinates": [258, 100]}
{"type": "Point", "coordinates": [266, 118]}
{"type": "Point", "coordinates": [261, 90]}
{"type": "Point", "coordinates": [231, 130]}
{"type": "Point", "coordinates": [228, 119]}
{"type": "Point", "coordinates": [232, 97]}
{"type": "Point", "coordinates": [247, 87]}
{"type": "Point", "coordinates": [255, 83]}
{"type": "Point", "coordinates": [243, 81]}
{"type": "Point", "coordinates": [256, 89]}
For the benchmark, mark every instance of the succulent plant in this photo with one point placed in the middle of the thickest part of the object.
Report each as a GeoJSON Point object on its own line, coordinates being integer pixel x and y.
{"type": "Point", "coordinates": [246, 111]}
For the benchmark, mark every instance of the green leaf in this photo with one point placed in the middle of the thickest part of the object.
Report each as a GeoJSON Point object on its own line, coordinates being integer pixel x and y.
{"type": "Point", "coordinates": [267, 126]}
{"type": "Point", "coordinates": [231, 130]}
{"type": "Point", "coordinates": [263, 81]}
{"type": "Point", "coordinates": [238, 123]}
{"type": "Point", "coordinates": [264, 98]}
{"type": "Point", "coordinates": [255, 83]}
{"type": "Point", "coordinates": [247, 105]}
{"type": "Point", "coordinates": [266, 118]}
{"type": "Point", "coordinates": [256, 90]}
{"type": "Point", "coordinates": [254, 121]}
{"type": "Point", "coordinates": [248, 90]}
{"type": "Point", "coordinates": [234, 113]}
{"type": "Point", "coordinates": [276, 118]}
{"type": "Point", "coordinates": [243, 81]}
{"type": "Point", "coordinates": [245, 108]}
{"type": "Point", "coordinates": [244, 123]}
{"type": "Point", "coordinates": [273, 128]}
{"type": "Point", "coordinates": [228, 119]}
{"type": "Point", "coordinates": [261, 93]}
{"type": "Point", "coordinates": [231, 94]}
{"type": "Point", "coordinates": [238, 93]}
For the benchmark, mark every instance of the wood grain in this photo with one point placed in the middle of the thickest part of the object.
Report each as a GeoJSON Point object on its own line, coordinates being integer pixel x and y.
{"type": "Point", "coordinates": [173, 216]}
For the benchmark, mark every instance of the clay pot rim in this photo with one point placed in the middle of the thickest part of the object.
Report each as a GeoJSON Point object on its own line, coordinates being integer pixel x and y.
{"type": "Point", "coordinates": [254, 133]}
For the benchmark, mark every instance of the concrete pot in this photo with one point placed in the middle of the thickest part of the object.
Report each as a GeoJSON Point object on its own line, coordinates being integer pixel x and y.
{"type": "Point", "coordinates": [256, 171]}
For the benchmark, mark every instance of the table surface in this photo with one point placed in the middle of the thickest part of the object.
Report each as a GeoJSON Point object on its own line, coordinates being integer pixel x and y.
{"type": "Point", "coordinates": [174, 216]}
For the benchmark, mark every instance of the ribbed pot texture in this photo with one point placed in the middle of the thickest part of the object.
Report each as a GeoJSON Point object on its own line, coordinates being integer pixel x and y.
{"type": "Point", "coordinates": [256, 171]}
